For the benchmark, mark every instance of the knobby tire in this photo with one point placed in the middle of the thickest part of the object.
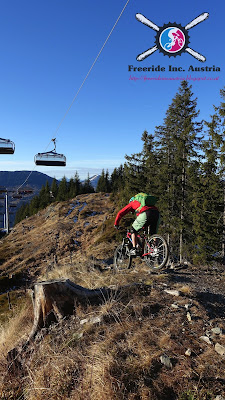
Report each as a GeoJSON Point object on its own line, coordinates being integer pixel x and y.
{"type": "Point", "coordinates": [122, 260]}
{"type": "Point", "coordinates": [158, 252]}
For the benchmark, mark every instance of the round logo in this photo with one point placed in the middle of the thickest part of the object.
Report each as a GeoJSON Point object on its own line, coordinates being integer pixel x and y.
{"type": "Point", "coordinates": [172, 39]}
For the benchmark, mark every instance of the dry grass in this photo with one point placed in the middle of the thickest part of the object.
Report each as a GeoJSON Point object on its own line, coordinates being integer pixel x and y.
{"type": "Point", "coordinates": [185, 290]}
{"type": "Point", "coordinates": [12, 332]}
{"type": "Point", "coordinates": [20, 322]}
{"type": "Point", "coordinates": [117, 358]}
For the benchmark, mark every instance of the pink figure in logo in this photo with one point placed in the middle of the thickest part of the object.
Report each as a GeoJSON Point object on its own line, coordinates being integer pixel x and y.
{"type": "Point", "coordinates": [176, 40]}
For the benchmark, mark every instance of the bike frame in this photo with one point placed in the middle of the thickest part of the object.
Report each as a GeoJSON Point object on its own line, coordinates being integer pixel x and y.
{"type": "Point", "coordinates": [142, 241]}
{"type": "Point", "coordinates": [153, 249]}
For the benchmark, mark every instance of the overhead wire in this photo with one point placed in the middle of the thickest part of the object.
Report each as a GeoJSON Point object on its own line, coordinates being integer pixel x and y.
{"type": "Point", "coordinates": [77, 93]}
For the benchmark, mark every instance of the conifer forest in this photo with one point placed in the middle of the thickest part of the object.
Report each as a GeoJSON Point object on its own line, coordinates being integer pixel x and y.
{"type": "Point", "coordinates": [182, 163]}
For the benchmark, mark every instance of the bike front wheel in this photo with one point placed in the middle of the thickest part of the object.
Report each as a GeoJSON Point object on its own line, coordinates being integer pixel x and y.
{"type": "Point", "coordinates": [122, 260]}
{"type": "Point", "coordinates": [156, 252]}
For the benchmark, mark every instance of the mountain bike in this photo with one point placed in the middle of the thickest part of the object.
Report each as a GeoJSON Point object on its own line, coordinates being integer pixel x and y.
{"type": "Point", "coordinates": [153, 249]}
{"type": "Point", "coordinates": [169, 45]}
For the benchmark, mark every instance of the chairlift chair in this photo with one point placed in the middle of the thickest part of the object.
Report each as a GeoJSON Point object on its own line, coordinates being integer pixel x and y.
{"type": "Point", "coordinates": [17, 196]}
{"type": "Point", "coordinates": [25, 191]}
{"type": "Point", "coordinates": [50, 158]}
{"type": "Point", "coordinates": [6, 146]}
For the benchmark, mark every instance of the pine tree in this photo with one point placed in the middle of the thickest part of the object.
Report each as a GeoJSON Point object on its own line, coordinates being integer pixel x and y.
{"type": "Point", "coordinates": [62, 190]}
{"type": "Point", "coordinates": [77, 184]}
{"type": "Point", "coordinates": [208, 199]}
{"type": "Point", "coordinates": [150, 165]}
{"type": "Point", "coordinates": [166, 174]}
{"type": "Point", "coordinates": [135, 176]}
{"type": "Point", "coordinates": [44, 196]}
{"type": "Point", "coordinates": [20, 214]}
{"type": "Point", "coordinates": [216, 132]}
{"type": "Point", "coordinates": [178, 145]}
{"type": "Point", "coordinates": [87, 186]}
{"type": "Point", "coordinates": [103, 184]}
{"type": "Point", "coordinates": [107, 182]}
{"type": "Point", "coordinates": [117, 179]}
{"type": "Point", "coordinates": [54, 189]}
{"type": "Point", "coordinates": [71, 189]}
{"type": "Point", "coordinates": [221, 144]}
{"type": "Point", "coordinates": [34, 205]}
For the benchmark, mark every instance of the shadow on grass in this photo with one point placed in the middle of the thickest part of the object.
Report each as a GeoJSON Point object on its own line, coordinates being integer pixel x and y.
{"type": "Point", "coordinates": [178, 276]}
{"type": "Point", "coordinates": [213, 303]}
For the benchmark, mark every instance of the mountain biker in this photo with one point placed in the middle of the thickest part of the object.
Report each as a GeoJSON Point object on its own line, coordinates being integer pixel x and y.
{"type": "Point", "coordinates": [145, 216]}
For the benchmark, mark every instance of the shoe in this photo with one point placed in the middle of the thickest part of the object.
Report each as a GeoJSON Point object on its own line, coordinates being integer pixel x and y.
{"type": "Point", "coordinates": [133, 252]}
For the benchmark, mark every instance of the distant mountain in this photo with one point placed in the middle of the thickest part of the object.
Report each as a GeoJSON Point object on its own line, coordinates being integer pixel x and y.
{"type": "Point", "coordinates": [94, 180]}
{"type": "Point", "coordinates": [13, 179]}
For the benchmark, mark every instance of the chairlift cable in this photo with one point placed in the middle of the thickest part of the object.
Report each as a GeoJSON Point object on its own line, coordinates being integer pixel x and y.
{"type": "Point", "coordinates": [67, 111]}
{"type": "Point", "coordinates": [104, 44]}
{"type": "Point", "coordinates": [26, 178]}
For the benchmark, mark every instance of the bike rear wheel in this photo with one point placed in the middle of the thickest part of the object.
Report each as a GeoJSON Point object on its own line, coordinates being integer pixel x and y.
{"type": "Point", "coordinates": [122, 260]}
{"type": "Point", "coordinates": [156, 252]}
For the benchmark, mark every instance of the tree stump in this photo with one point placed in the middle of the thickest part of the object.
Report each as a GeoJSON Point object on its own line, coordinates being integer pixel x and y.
{"type": "Point", "coordinates": [54, 300]}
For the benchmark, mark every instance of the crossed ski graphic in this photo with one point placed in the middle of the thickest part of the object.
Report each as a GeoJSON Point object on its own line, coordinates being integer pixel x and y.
{"type": "Point", "coordinates": [202, 17]}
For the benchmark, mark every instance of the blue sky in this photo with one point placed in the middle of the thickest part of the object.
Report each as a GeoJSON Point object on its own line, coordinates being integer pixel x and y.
{"type": "Point", "coordinates": [47, 48]}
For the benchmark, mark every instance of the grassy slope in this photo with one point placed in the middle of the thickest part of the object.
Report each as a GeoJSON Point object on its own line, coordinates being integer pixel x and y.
{"type": "Point", "coordinates": [119, 357]}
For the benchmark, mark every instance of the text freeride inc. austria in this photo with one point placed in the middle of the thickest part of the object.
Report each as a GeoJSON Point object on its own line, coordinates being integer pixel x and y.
{"type": "Point", "coordinates": [171, 68]}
